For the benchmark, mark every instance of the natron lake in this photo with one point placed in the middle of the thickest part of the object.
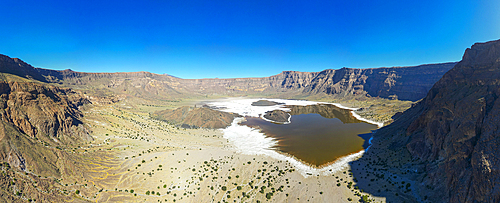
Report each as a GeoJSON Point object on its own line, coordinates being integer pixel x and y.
{"type": "Point", "coordinates": [317, 134]}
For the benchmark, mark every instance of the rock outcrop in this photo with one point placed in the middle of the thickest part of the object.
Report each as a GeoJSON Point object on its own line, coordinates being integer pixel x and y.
{"type": "Point", "coordinates": [192, 117]}
{"type": "Point", "coordinates": [265, 103]}
{"type": "Point", "coordinates": [453, 134]}
{"type": "Point", "coordinates": [44, 112]}
{"type": "Point", "coordinates": [278, 116]}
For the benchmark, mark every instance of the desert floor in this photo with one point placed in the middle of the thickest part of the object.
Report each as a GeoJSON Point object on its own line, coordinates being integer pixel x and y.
{"type": "Point", "coordinates": [137, 159]}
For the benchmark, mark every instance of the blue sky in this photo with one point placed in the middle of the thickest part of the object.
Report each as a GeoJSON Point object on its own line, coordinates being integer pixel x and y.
{"type": "Point", "coordinates": [226, 39]}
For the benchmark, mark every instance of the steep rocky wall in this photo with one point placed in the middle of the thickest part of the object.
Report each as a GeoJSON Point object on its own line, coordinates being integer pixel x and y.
{"type": "Point", "coordinates": [403, 83]}
{"type": "Point", "coordinates": [46, 112]}
{"type": "Point", "coordinates": [453, 135]}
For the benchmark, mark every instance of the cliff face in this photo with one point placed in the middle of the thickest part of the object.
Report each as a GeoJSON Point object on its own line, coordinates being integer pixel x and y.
{"type": "Point", "coordinates": [46, 112]}
{"type": "Point", "coordinates": [403, 83]}
{"type": "Point", "coordinates": [453, 134]}
{"type": "Point", "coordinates": [37, 120]}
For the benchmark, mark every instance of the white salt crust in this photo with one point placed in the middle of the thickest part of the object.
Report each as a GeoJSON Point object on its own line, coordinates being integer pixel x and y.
{"type": "Point", "coordinates": [247, 140]}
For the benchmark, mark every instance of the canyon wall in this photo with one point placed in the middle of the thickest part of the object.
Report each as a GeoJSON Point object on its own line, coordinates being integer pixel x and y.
{"type": "Point", "coordinates": [453, 134]}
{"type": "Point", "coordinates": [403, 83]}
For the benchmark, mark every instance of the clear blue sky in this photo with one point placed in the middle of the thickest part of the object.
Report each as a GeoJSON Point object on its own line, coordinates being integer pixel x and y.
{"type": "Point", "coordinates": [235, 38]}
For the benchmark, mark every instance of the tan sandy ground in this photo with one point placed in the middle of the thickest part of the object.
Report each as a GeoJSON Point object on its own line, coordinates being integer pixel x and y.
{"type": "Point", "coordinates": [137, 159]}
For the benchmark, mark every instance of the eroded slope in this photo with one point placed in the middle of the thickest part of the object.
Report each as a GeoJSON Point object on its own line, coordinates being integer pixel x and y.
{"type": "Point", "coordinates": [453, 135]}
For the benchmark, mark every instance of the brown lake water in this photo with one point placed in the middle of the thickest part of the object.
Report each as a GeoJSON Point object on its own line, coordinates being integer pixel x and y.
{"type": "Point", "coordinates": [317, 134]}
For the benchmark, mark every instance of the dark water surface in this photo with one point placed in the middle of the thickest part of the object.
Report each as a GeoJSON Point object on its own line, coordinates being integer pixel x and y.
{"type": "Point", "coordinates": [317, 134]}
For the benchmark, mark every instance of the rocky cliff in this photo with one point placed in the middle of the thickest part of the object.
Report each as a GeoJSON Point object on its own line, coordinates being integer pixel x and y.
{"type": "Point", "coordinates": [453, 134]}
{"type": "Point", "coordinates": [44, 112]}
{"type": "Point", "coordinates": [404, 83]}
{"type": "Point", "coordinates": [37, 120]}
{"type": "Point", "coordinates": [26, 163]}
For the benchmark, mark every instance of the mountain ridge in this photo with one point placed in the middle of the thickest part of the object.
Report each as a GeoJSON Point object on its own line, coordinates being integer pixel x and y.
{"type": "Point", "coordinates": [404, 83]}
{"type": "Point", "coordinates": [452, 135]}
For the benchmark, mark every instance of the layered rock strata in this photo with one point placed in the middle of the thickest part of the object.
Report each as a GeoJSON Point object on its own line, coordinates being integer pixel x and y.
{"type": "Point", "coordinates": [403, 83]}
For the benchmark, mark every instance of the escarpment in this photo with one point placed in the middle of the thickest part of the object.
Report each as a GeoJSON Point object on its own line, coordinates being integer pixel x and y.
{"type": "Point", "coordinates": [403, 83]}
{"type": "Point", "coordinates": [453, 134]}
